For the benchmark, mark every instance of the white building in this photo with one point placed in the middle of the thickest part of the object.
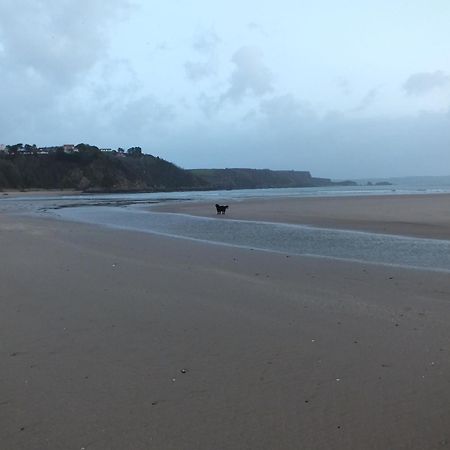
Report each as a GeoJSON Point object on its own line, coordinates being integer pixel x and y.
{"type": "Point", "coordinates": [69, 148]}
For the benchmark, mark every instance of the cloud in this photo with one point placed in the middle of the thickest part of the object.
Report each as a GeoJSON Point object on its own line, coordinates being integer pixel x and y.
{"type": "Point", "coordinates": [257, 28]}
{"type": "Point", "coordinates": [335, 145]}
{"type": "Point", "coordinates": [197, 71]}
{"type": "Point", "coordinates": [250, 76]}
{"type": "Point", "coordinates": [286, 110]}
{"type": "Point", "coordinates": [48, 49]}
{"type": "Point", "coordinates": [367, 100]}
{"type": "Point", "coordinates": [205, 44]}
{"type": "Point", "coordinates": [344, 85]}
{"type": "Point", "coordinates": [162, 47]}
{"type": "Point", "coordinates": [424, 82]}
{"type": "Point", "coordinates": [143, 115]}
{"type": "Point", "coordinates": [56, 40]}
{"type": "Point", "coordinates": [56, 74]}
{"type": "Point", "coordinates": [209, 105]}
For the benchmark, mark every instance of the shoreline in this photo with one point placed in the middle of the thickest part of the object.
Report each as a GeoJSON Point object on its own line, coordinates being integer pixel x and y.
{"type": "Point", "coordinates": [11, 193]}
{"type": "Point", "coordinates": [418, 215]}
{"type": "Point", "coordinates": [343, 245]}
{"type": "Point", "coordinates": [363, 191]}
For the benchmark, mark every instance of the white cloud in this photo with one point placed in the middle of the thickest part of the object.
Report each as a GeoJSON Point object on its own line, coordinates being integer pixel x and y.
{"type": "Point", "coordinates": [48, 50]}
{"type": "Point", "coordinates": [250, 76]}
{"type": "Point", "coordinates": [55, 39]}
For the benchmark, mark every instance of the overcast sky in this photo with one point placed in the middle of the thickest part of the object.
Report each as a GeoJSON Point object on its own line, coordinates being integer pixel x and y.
{"type": "Point", "coordinates": [345, 89]}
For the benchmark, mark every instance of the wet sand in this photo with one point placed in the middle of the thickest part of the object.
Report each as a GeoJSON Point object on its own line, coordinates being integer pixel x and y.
{"type": "Point", "coordinates": [409, 215]}
{"type": "Point", "coordinates": [121, 340]}
{"type": "Point", "coordinates": [13, 193]}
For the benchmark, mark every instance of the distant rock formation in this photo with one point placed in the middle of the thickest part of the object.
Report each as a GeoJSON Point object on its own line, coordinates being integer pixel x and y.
{"type": "Point", "coordinates": [262, 178]}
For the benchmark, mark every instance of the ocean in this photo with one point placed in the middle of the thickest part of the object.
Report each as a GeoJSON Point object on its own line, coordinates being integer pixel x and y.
{"type": "Point", "coordinates": [400, 186]}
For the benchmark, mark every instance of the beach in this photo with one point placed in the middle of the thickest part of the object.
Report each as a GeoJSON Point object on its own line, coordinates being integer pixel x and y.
{"type": "Point", "coordinates": [426, 216]}
{"type": "Point", "coordinates": [115, 339]}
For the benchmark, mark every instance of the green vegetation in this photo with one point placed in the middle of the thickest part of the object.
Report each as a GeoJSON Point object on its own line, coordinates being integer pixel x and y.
{"type": "Point", "coordinates": [87, 168]}
{"type": "Point", "coordinates": [261, 178]}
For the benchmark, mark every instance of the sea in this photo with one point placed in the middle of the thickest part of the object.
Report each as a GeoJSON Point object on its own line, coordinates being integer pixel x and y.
{"type": "Point", "coordinates": [133, 212]}
{"type": "Point", "coordinates": [399, 186]}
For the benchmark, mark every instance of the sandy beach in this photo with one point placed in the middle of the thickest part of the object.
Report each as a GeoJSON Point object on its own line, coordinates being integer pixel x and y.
{"type": "Point", "coordinates": [114, 339]}
{"type": "Point", "coordinates": [409, 215]}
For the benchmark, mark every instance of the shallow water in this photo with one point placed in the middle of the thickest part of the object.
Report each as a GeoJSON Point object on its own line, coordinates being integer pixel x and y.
{"type": "Point", "coordinates": [430, 254]}
{"type": "Point", "coordinates": [329, 191]}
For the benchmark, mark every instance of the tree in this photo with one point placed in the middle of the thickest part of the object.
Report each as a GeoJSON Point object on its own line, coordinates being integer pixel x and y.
{"type": "Point", "coordinates": [13, 149]}
{"type": "Point", "coordinates": [30, 148]}
{"type": "Point", "coordinates": [86, 148]}
{"type": "Point", "coordinates": [134, 152]}
{"type": "Point", "coordinates": [88, 153]}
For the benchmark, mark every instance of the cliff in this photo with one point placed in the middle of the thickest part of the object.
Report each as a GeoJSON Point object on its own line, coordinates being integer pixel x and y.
{"type": "Point", "coordinates": [89, 169]}
{"type": "Point", "coordinates": [94, 171]}
{"type": "Point", "coordinates": [261, 178]}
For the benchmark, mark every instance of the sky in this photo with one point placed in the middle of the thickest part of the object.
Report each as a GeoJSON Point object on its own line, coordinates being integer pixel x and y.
{"type": "Point", "coordinates": [346, 89]}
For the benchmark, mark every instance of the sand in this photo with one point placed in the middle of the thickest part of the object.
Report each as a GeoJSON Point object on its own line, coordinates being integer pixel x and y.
{"type": "Point", "coordinates": [13, 193]}
{"type": "Point", "coordinates": [411, 215]}
{"type": "Point", "coordinates": [118, 340]}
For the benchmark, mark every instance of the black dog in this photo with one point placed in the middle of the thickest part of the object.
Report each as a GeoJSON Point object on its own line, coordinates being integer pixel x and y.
{"type": "Point", "coordinates": [221, 208]}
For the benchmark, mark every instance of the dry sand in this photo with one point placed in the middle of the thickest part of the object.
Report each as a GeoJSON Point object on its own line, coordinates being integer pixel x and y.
{"type": "Point", "coordinates": [413, 215]}
{"type": "Point", "coordinates": [118, 340]}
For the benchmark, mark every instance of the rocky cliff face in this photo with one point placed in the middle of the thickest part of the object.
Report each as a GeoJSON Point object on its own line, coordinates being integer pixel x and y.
{"type": "Point", "coordinates": [94, 171]}
{"type": "Point", "coordinates": [257, 178]}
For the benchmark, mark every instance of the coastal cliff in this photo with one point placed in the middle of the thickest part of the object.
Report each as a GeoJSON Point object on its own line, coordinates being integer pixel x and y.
{"type": "Point", "coordinates": [89, 169]}
{"type": "Point", "coordinates": [93, 170]}
{"type": "Point", "coordinates": [261, 178]}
